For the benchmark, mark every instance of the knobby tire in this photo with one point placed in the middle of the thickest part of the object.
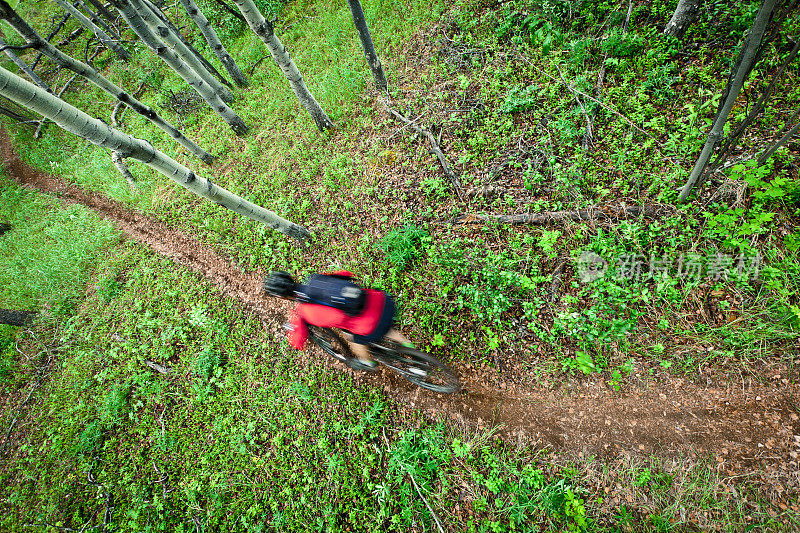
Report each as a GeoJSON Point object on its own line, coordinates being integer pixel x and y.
{"type": "Point", "coordinates": [416, 366]}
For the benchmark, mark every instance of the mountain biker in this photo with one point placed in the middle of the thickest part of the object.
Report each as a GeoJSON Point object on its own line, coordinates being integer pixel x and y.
{"type": "Point", "coordinates": [333, 300]}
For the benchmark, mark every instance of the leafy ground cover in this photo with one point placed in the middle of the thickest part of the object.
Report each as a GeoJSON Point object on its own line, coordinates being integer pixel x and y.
{"type": "Point", "coordinates": [239, 435]}
{"type": "Point", "coordinates": [495, 81]}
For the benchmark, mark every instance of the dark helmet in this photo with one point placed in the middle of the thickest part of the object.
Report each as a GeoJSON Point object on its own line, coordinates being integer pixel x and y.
{"type": "Point", "coordinates": [280, 284]}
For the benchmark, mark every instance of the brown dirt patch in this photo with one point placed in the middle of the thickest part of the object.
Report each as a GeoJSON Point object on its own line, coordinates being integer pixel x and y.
{"type": "Point", "coordinates": [750, 428]}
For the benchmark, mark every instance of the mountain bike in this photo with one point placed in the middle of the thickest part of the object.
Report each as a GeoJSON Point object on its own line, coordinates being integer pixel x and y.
{"type": "Point", "coordinates": [416, 366]}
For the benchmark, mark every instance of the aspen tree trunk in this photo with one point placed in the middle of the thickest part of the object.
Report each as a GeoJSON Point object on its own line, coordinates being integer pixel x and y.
{"type": "Point", "coordinates": [683, 17]}
{"type": "Point", "coordinates": [132, 18]}
{"type": "Point", "coordinates": [751, 46]}
{"type": "Point", "coordinates": [82, 69]}
{"type": "Point", "coordinates": [98, 132]}
{"type": "Point", "coordinates": [24, 67]}
{"type": "Point", "coordinates": [366, 43]}
{"type": "Point", "coordinates": [263, 28]}
{"type": "Point", "coordinates": [79, 4]}
{"type": "Point", "coordinates": [22, 119]}
{"type": "Point", "coordinates": [214, 42]}
{"type": "Point", "coordinates": [119, 162]}
{"type": "Point", "coordinates": [101, 9]}
{"type": "Point", "coordinates": [166, 20]}
{"type": "Point", "coordinates": [101, 35]}
{"type": "Point", "coordinates": [166, 34]}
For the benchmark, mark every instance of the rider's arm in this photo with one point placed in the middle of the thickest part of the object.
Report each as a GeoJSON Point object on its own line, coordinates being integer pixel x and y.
{"type": "Point", "coordinates": [316, 315]}
{"type": "Point", "coordinates": [344, 274]}
{"type": "Point", "coordinates": [298, 334]}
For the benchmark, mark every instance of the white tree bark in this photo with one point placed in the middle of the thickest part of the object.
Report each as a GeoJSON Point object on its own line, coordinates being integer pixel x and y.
{"type": "Point", "coordinates": [213, 41]}
{"type": "Point", "coordinates": [373, 60]}
{"type": "Point", "coordinates": [23, 66]}
{"type": "Point", "coordinates": [132, 18]}
{"type": "Point", "coordinates": [263, 28]}
{"type": "Point", "coordinates": [683, 17]}
{"type": "Point", "coordinates": [98, 132]}
{"type": "Point", "coordinates": [751, 45]}
{"type": "Point", "coordinates": [82, 69]}
{"type": "Point", "coordinates": [101, 9]}
{"type": "Point", "coordinates": [166, 20]}
{"type": "Point", "coordinates": [165, 33]}
{"type": "Point", "coordinates": [119, 162]}
{"type": "Point", "coordinates": [101, 35]}
{"type": "Point", "coordinates": [79, 4]}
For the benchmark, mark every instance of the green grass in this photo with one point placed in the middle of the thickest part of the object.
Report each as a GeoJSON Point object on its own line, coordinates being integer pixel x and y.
{"type": "Point", "coordinates": [301, 449]}
{"type": "Point", "coordinates": [45, 259]}
{"type": "Point", "coordinates": [241, 417]}
{"type": "Point", "coordinates": [355, 190]}
{"type": "Point", "coordinates": [241, 437]}
{"type": "Point", "coordinates": [48, 254]}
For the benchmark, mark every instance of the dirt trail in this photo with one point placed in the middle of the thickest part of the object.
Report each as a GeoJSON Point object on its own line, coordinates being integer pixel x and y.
{"type": "Point", "coordinates": [749, 427]}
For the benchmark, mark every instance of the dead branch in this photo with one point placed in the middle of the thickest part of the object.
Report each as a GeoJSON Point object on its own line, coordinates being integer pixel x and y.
{"type": "Point", "coordinates": [488, 191]}
{"type": "Point", "coordinates": [603, 105]}
{"type": "Point", "coordinates": [155, 366]}
{"type": "Point", "coordinates": [71, 37]}
{"type": "Point", "coordinates": [556, 283]}
{"type": "Point", "coordinates": [576, 215]}
{"type": "Point", "coordinates": [5, 47]}
{"type": "Point", "coordinates": [52, 34]}
{"type": "Point", "coordinates": [21, 119]}
{"type": "Point", "coordinates": [109, 511]}
{"type": "Point", "coordinates": [783, 140]}
{"type": "Point", "coordinates": [163, 479]}
{"type": "Point", "coordinates": [230, 10]}
{"type": "Point", "coordinates": [454, 179]}
{"type": "Point", "coordinates": [255, 65]}
{"type": "Point", "coordinates": [117, 111]}
{"type": "Point", "coordinates": [419, 492]}
{"type": "Point", "coordinates": [40, 375]}
{"type": "Point", "coordinates": [119, 162]}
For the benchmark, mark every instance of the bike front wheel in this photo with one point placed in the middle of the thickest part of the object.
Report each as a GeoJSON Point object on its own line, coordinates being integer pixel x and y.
{"type": "Point", "coordinates": [417, 367]}
{"type": "Point", "coordinates": [331, 343]}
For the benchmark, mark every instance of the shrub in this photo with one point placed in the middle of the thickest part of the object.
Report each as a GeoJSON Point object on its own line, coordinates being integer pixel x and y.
{"type": "Point", "coordinates": [404, 245]}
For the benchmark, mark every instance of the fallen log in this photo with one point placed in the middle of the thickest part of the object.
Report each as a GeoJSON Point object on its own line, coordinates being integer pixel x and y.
{"type": "Point", "coordinates": [13, 317]}
{"type": "Point", "coordinates": [574, 215]}
{"type": "Point", "coordinates": [155, 366]}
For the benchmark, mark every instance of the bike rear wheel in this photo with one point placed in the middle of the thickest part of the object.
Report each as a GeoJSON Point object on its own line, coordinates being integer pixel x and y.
{"type": "Point", "coordinates": [417, 367]}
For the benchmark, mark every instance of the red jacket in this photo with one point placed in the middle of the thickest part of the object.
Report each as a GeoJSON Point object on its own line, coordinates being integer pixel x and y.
{"type": "Point", "coordinates": [329, 317]}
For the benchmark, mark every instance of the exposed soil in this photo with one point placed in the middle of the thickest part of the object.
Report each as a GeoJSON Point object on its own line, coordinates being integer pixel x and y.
{"type": "Point", "coordinates": [748, 428]}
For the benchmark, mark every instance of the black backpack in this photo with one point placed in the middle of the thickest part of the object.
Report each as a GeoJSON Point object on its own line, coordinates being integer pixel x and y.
{"type": "Point", "coordinates": [333, 291]}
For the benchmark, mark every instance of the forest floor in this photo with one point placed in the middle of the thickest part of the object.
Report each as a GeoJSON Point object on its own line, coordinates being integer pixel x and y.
{"type": "Point", "coordinates": [750, 428]}
{"type": "Point", "coordinates": [656, 403]}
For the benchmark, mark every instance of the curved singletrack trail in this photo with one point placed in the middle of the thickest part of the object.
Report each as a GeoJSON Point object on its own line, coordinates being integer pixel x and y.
{"type": "Point", "coordinates": [748, 428]}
